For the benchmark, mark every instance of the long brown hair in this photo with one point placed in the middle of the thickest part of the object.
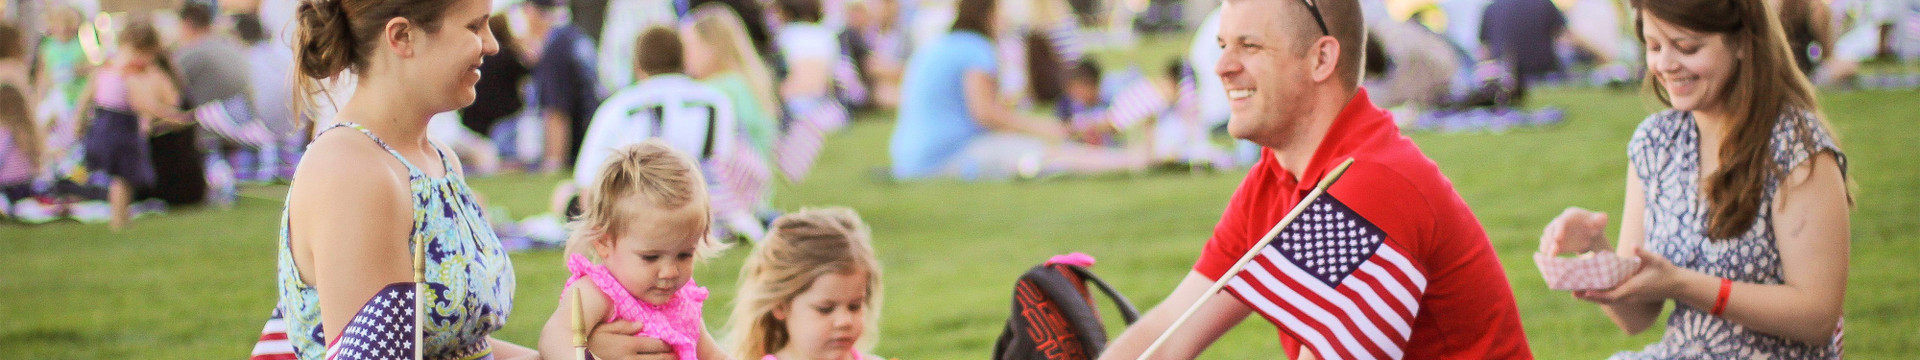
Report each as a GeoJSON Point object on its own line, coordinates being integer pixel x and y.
{"type": "Point", "coordinates": [726, 35]}
{"type": "Point", "coordinates": [800, 248]}
{"type": "Point", "coordinates": [339, 35]}
{"type": "Point", "coordinates": [18, 121]}
{"type": "Point", "coordinates": [140, 36]}
{"type": "Point", "coordinates": [1046, 73]}
{"type": "Point", "coordinates": [12, 45]}
{"type": "Point", "coordinates": [1764, 86]}
{"type": "Point", "coordinates": [976, 16]}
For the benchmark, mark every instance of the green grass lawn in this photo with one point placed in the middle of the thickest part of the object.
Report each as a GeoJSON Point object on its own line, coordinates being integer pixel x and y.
{"type": "Point", "coordinates": [196, 283]}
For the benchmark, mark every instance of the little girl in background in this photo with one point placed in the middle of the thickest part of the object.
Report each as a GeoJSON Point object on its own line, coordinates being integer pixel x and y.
{"type": "Point", "coordinates": [20, 147]}
{"type": "Point", "coordinates": [63, 62]}
{"type": "Point", "coordinates": [809, 291]}
{"type": "Point", "coordinates": [126, 95]}
{"type": "Point", "coordinates": [62, 79]}
{"type": "Point", "coordinates": [641, 230]}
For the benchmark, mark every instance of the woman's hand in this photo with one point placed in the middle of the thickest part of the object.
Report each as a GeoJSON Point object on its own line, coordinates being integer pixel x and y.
{"type": "Point", "coordinates": [1655, 282]}
{"type": "Point", "coordinates": [1575, 231]}
{"type": "Point", "coordinates": [617, 341]}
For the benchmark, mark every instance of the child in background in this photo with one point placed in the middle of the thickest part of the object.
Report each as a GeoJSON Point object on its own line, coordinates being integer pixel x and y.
{"type": "Point", "coordinates": [886, 51]}
{"type": "Point", "coordinates": [63, 64]}
{"type": "Point", "coordinates": [1082, 107]}
{"type": "Point", "coordinates": [126, 95]}
{"type": "Point", "coordinates": [719, 54]}
{"type": "Point", "coordinates": [809, 291]}
{"type": "Point", "coordinates": [810, 51]}
{"type": "Point", "coordinates": [20, 147]}
{"type": "Point", "coordinates": [644, 225]}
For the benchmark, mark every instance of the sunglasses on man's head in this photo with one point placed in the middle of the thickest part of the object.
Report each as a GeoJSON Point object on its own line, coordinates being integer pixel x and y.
{"type": "Point", "coordinates": [1315, 10]}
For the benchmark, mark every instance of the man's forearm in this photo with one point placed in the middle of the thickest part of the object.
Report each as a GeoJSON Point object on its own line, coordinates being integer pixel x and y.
{"type": "Point", "coordinates": [1138, 336]}
{"type": "Point", "coordinates": [1208, 323]}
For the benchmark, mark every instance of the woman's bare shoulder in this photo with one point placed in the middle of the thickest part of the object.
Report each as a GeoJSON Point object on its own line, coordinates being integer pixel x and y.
{"type": "Point", "coordinates": [344, 172]}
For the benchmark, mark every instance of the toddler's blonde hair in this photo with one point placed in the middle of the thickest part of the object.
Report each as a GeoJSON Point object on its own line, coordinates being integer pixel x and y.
{"type": "Point", "coordinates": [650, 174]}
{"type": "Point", "coordinates": [800, 248]}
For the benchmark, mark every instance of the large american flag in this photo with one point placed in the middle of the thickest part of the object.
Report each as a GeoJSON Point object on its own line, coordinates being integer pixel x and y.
{"type": "Point", "coordinates": [1334, 281]}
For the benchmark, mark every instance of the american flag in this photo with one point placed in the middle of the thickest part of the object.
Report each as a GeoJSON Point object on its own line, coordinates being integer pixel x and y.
{"type": "Point", "coordinates": [273, 343]}
{"type": "Point", "coordinates": [1135, 104]}
{"type": "Point", "coordinates": [382, 330]}
{"type": "Point", "coordinates": [740, 178]}
{"type": "Point", "coordinates": [1334, 281]}
{"type": "Point", "coordinates": [232, 119]}
{"type": "Point", "coordinates": [846, 79]}
{"type": "Point", "coordinates": [797, 150]}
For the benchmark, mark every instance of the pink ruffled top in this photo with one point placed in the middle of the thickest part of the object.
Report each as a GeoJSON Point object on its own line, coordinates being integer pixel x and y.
{"type": "Point", "coordinates": [677, 322]}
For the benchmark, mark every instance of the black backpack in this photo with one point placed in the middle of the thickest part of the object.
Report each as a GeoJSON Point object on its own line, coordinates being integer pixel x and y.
{"type": "Point", "coordinates": [1054, 317]}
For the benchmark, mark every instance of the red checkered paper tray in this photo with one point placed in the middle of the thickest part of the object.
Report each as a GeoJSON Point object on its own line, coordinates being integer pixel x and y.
{"type": "Point", "coordinates": [1598, 270]}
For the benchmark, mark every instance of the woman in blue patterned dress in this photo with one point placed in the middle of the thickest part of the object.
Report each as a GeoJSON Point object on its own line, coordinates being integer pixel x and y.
{"type": "Point", "coordinates": [1736, 199]}
{"type": "Point", "coordinates": [372, 187]}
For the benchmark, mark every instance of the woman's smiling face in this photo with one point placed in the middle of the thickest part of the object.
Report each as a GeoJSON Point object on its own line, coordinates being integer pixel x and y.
{"type": "Point", "coordinates": [1693, 68]}
{"type": "Point", "coordinates": [450, 56]}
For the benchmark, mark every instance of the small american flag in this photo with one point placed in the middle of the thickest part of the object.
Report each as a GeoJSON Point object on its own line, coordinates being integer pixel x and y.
{"type": "Point", "coordinates": [1135, 104]}
{"type": "Point", "coordinates": [740, 177]}
{"type": "Point", "coordinates": [846, 79]}
{"type": "Point", "coordinates": [797, 151]}
{"type": "Point", "coordinates": [1334, 281]}
{"type": "Point", "coordinates": [232, 119]}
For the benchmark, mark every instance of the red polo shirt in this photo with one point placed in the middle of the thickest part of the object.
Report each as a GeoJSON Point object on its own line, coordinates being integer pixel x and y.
{"type": "Point", "coordinates": [1467, 310]}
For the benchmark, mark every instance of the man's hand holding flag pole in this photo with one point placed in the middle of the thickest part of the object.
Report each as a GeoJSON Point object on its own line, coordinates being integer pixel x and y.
{"type": "Point", "coordinates": [1318, 190]}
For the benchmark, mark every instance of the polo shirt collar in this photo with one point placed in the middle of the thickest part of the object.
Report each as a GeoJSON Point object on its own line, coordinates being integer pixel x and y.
{"type": "Point", "coordinates": [1358, 124]}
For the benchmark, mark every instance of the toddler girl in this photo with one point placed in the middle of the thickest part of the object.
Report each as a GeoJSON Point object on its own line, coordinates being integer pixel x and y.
{"type": "Point", "coordinates": [126, 96]}
{"type": "Point", "coordinates": [809, 291]}
{"type": "Point", "coordinates": [641, 230]}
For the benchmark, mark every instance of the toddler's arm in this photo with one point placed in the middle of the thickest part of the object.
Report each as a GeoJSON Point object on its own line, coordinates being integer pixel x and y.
{"type": "Point", "coordinates": [556, 338]}
{"type": "Point", "coordinates": [710, 349]}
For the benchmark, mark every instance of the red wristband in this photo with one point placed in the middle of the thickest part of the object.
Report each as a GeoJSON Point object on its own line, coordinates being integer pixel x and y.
{"type": "Point", "coordinates": [1720, 304]}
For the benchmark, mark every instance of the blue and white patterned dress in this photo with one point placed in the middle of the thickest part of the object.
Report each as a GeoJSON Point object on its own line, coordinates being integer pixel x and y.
{"type": "Point", "coordinates": [469, 277]}
{"type": "Point", "coordinates": [1665, 152]}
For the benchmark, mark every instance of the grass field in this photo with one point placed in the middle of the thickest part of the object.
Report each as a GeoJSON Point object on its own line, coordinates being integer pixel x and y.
{"type": "Point", "coordinates": [196, 283]}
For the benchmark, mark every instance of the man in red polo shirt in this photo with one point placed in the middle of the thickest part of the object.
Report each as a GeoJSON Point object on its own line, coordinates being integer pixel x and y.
{"type": "Point", "coordinates": [1389, 263]}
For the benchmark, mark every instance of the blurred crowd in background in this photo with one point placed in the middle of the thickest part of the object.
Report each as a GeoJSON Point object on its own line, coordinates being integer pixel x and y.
{"type": "Point", "coordinates": [115, 109]}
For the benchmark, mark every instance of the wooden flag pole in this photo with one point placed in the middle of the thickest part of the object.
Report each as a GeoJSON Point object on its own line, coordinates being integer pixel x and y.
{"type": "Point", "coordinates": [1325, 183]}
{"type": "Point", "coordinates": [579, 327]}
{"type": "Point", "coordinates": [419, 299]}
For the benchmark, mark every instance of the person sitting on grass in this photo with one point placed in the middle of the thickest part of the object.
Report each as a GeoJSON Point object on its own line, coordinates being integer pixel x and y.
{"type": "Point", "coordinates": [1736, 196]}
{"type": "Point", "coordinates": [20, 148]}
{"type": "Point", "coordinates": [693, 118]}
{"type": "Point", "coordinates": [810, 51]}
{"type": "Point", "coordinates": [1387, 263]}
{"type": "Point", "coordinates": [952, 123]}
{"type": "Point", "coordinates": [719, 54]}
{"type": "Point", "coordinates": [1084, 108]}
